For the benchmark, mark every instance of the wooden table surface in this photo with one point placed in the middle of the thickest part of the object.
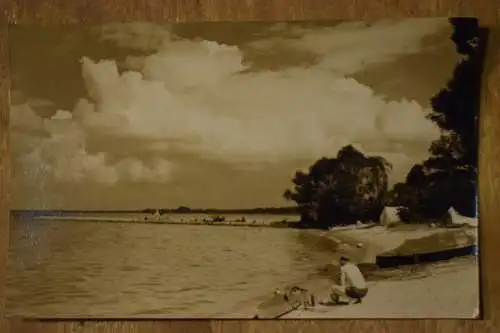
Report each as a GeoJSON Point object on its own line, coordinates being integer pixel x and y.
{"type": "Point", "coordinates": [100, 11]}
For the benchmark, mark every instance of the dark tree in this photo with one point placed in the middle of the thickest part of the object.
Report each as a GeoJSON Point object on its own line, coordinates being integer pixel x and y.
{"type": "Point", "coordinates": [423, 196]}
{"type": "Point", "coordinates": [341, 190]}
{"type": "Point", "coordinates": [183, 209]}
{"type": "Point", "coordinates": [449, 177]}
{"type": "Point", "coordinates": [456, 111]}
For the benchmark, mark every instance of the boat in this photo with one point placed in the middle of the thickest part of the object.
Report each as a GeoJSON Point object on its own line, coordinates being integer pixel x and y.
{"type": "Point", "coordinates": [442, 245]}
{"type": "Point", "coordinates": [284, 302]}
{"type": "Point", "coordinates": [386, 261]}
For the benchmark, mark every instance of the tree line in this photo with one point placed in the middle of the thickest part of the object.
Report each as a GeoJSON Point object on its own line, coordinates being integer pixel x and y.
{"type": "Point", "coordinates": [353, 187]}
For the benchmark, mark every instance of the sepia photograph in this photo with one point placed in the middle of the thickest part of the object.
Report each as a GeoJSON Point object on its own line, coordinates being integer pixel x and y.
{"type": "Point", "coordinates": [245, 169]}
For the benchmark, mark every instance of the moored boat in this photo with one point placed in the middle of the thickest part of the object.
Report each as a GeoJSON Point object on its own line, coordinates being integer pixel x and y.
{"type": "Point", "coordinates": [385, 261]}
{"type": "Point", "coordinates": [442, 245]}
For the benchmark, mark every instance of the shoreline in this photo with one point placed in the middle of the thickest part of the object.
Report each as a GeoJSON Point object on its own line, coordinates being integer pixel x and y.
{"type": "Point", "coordinates": [272, 224]}
{"type": "Point", "coordinates": [442, 289]}
{"type": "Point", "coordinates": [362, 244]}
{"type": "Point", "coordinates": [430, 292]}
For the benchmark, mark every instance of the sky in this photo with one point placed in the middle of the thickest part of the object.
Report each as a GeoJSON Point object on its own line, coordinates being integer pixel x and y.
{"type": "Point", "coordinates": [214, 115]}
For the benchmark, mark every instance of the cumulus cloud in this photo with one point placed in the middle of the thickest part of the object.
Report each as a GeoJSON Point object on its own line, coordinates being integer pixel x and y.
{"type": "Point", "coordinates": [247, 117]}
{"type": "Point", "coordinates": [198, 96]}
{"type": "Point", "coordinates": [23, 117]}
{"type": "Point", "coordinates": [188, 64]}
{"type": "Point", "coordinates": [61, 153]}
{"type": "Point", "coordinates": [62, 115]}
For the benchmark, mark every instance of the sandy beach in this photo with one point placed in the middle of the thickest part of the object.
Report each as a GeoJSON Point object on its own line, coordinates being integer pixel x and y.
{"type": "Point", "coordinates": [447, 289]}
{"type": "Point", "coordinates": [444, 292]}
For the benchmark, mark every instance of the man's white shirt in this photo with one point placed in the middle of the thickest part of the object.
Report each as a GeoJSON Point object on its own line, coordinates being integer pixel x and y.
{"type": "Point", "coordinates": [351, 276]}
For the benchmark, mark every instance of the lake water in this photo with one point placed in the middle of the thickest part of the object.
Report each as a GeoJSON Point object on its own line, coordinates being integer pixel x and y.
{"type": "Point", "coordinates": [59, 268]}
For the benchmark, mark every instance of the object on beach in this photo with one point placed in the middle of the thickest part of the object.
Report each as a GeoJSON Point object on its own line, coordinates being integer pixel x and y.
{"type": "Point", "coordinates": [385, 261]}
{"type": "Point", "coordinates": [283, 302]}
{"type": "Point", "coordinates": [333, 303]}
{"type": "Point", "coordinates": [312, 300]}
{"type": "Point", "coordinates": [436, 247]}
{"type": "Point", "coordinates": [390, 217]}
{"type": "Point", "coordinates": [460, 220]}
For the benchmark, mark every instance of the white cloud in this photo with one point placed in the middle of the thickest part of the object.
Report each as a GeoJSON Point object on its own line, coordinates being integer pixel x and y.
{"type": "Point", "coordinates": [62, 115]}
{"type": "Point", "coordinates": [196, 96]}
{"type": "Point", "coordinates": [62, 154]}
{"type": "Point", "coordinates": [186, 64]}
{"type": "Point", "coordinates": [352, 46]}
{"type": "Point", "coordinates": [243, 117]}
{"type": "Point", "coordinates": [23, 117]}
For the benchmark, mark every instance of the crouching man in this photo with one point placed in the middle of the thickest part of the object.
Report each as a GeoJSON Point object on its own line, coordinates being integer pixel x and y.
{"type": "Point", "coordinates": [352, 283]}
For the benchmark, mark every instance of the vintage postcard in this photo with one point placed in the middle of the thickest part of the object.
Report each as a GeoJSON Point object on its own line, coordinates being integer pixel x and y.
{"type": "Point", "coordinates": [245, 170]}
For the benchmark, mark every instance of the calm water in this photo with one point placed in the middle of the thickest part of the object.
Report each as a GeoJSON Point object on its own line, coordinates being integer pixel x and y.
{"type": "Point", "coordinates": [114, 269]}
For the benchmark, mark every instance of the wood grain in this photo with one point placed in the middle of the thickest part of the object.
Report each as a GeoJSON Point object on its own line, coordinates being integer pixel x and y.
{"type": "Point", "coordinates": [4, 166]}
{"type": "Point", "coordinates": [97, 11]}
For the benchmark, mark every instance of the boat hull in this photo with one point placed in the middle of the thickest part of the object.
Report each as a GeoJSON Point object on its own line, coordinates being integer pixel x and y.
{"type": "Point", "coordinates": [386, 261]}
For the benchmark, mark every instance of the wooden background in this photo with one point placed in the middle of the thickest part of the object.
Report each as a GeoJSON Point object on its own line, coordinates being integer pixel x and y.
{"type": "Point", "coordinates": [97, 11]}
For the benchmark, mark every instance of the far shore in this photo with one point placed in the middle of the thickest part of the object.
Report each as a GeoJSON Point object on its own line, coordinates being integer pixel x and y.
{"type": "Point", "coordinates": [354, 233]}
{"type": "Point", "coordinates": [147, 219]}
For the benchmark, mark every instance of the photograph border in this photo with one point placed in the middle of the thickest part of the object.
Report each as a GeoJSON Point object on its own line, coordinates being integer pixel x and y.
{"type": "Point", "coordinates": [50, 12]}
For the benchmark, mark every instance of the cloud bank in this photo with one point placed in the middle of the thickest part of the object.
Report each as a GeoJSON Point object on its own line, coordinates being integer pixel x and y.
{"type": "Point", "coordinates": [56, 149]}
{"type": "Point", "coordinates": [198, 96]}
{"type": "Point", "coordinates": [350, 47]}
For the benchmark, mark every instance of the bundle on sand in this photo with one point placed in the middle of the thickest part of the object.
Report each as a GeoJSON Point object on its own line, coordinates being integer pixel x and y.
{"type": "Point", "coordinates": [457, 219]}
{"type": "Point", "coordinates": [283, 302]}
